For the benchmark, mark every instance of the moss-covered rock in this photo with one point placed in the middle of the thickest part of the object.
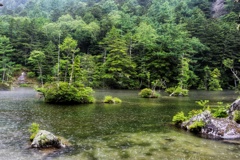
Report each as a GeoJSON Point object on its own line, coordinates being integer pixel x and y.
{"type": "Point", "coordinates": [45, 139]}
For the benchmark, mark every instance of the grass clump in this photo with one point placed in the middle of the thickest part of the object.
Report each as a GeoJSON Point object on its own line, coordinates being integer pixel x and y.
{"type": "Point", "coordinates": [33, 129]}
{"type": "Point", "coordinates": [110, 99]}
{"type": "Point", "coordinates": [148, 93]}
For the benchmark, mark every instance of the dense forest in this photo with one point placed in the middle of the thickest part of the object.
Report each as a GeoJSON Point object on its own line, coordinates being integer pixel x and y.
{"type": "Point", "coordinates": [122, 44]}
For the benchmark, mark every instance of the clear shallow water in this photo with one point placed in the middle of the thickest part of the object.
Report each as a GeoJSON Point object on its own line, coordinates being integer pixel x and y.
{"type": "Point", "coordinates": [136, 129]}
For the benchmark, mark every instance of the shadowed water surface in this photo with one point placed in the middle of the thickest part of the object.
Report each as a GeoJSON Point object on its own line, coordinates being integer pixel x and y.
{"type": "Point", "coordinates": [136, 129]}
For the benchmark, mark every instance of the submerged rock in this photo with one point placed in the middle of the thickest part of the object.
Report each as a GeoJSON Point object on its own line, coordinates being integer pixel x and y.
{"type": "Point", "coordinates": [45, 139]}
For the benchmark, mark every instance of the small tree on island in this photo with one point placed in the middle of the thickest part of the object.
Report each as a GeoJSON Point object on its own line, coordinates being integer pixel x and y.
{"type": "Point", "coordinates": [63, 93]}
{"type": "Point", "coordinates": [72, 91]}
{"type": "Point", "coordinates": [37, 58]}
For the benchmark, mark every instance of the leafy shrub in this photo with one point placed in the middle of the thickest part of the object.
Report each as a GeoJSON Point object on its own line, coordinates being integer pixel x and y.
{"type": "Point", "coordinates": [65, 93]}
{"type": "Point", "coordinates": [220, 111]}
{"type": "Point", "coordinates": [33, 129]}
{"type": "Point", "coordinates": [179, 118]}
{"type": "Point", "coordinates": [110, 99]}
{"type": "Point", "coordinates": [203, 103]}
{"type": "Point", "coordinates": [236, 116]}
{"type": "Point", "coordinates": [31, 75]}
{"type": "Point", "coordinates": [196, 126]}
{"type": "Point", "coordinates": [148, 93]}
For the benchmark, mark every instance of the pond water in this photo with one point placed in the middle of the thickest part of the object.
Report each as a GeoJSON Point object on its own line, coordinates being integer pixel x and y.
{"type": "Point", "coordinates": [135, 129]}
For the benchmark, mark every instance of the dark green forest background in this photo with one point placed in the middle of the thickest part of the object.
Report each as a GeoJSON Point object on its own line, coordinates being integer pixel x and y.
{"type": "Point", "coordinates": [122, 44]}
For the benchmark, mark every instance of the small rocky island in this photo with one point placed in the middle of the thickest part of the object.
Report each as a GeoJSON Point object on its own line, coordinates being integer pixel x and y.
{"type": "Point", "coordinates": [45, 139]}
{"type": "Point", "coordinates": [213, 127]}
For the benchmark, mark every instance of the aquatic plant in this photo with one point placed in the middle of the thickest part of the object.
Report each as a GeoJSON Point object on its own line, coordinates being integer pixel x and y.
{"type": "Point", "coordinates": [110, 99]}
{"type": "Point", "coordinates": [148, 93]}
{"type": "Point", "coordinates": [179, 118]}
{"type": "Point", "coordinates": [33, 129]}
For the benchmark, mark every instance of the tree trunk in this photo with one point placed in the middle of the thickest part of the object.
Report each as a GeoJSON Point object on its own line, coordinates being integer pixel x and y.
{"type": "Point", "coordinates": [71, 75]}
{"type": "Point", "coordinates": [40, 73]}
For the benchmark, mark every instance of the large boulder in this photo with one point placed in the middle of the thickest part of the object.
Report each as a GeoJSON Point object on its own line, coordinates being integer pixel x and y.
{"type": "Point", "coordinates": [45, 139]}
{"type": "Point", "coordinates": [214, 127]}
{"type": "Point", "coordinates": [234, 107]}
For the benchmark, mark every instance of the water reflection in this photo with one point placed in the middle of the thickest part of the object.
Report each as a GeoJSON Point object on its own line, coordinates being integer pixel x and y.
{"type": "Point", "coordinates": [136, 129]}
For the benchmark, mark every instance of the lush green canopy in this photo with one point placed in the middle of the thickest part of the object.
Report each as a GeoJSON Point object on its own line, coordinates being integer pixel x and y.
{"type": "Point", "coordinates": [121, 44]}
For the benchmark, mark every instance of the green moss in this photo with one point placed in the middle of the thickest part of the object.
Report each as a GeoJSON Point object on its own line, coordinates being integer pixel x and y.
{"type": "Point", "coordinates": [148, 93]}
{"type": "Point", "coordinates": [196, 126]}
{"type": "Point", "coordinates": [236, 116]}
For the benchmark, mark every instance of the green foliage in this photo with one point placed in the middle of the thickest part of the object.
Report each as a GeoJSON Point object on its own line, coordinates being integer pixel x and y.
{"type": "Point", "coordinates": [118, 68]}
{"type": "Point", "coordinates": [196, 126]}
{"type": "Point", "coordinates": [33, 129]}
{"type": "Point", "coordinates": [236, 116]}
{"type": "Point", "coordinates": [36, 59]}
{"type": "Point", "coordinates": [24, 85]}
{"type": "Point", "coordinates": [31, 75]}
{"type": "Point", "coordinates": [6, 50]}
{"type": "Point", "coordinates": [220, 111]}
{"type": "Point", "coordinates": [203, 104]}
{"type": "Point", "coordinates": [214, 84]}
{"type": "Point", "coordinates": [148, 93]}
{"type": "Point", "coordinates": [110, 99]}
{"type": "Point", "coordinates": [128, 40]}
{"type": "Point", "coordinates": [179, 118]}
{"type": "Point", "coordinates": [194, 113]}
{"type": "Point", "coordinates": [67, 94]}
